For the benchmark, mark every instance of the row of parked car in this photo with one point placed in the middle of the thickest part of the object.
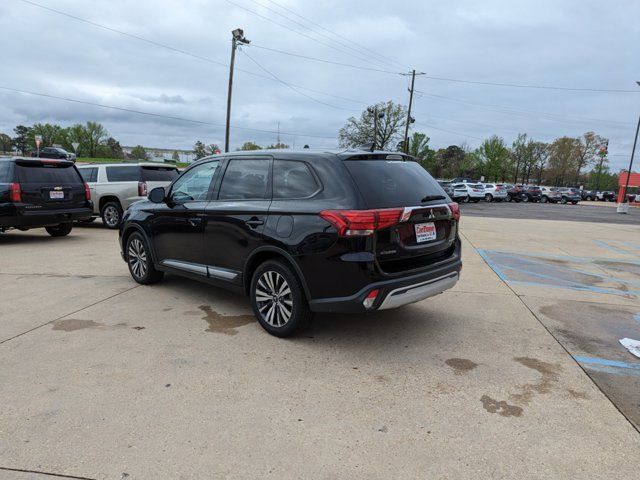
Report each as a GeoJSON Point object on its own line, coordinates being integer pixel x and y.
{"type": "Point", "coordinates": [469, 191]}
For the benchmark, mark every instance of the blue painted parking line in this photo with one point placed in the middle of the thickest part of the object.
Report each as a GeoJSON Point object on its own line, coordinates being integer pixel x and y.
{"type": "Point", "coordinates": [636, 317]}
{"type": "Point", "coordinates": [613, 248]}
{"type": "Point", "coordinates": [523, 269]}
{"type": "Point", "coordinates": [609, 366]}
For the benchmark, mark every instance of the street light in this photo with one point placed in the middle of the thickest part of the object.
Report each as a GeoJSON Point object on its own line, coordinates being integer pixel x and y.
{"type": "Point", "coordinates": [237, 37]}
{"type": "Point", "coordinates": [376, 116]}
{"type": "Point", "coordinates": [633, 151]}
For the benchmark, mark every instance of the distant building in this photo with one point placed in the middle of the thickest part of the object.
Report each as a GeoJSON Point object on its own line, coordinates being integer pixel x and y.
{"type": "Point", "coordinates": [165, 154]}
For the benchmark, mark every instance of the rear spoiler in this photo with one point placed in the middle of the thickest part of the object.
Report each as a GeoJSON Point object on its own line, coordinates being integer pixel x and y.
{"type": "Point", "coordinates": [381, 156]}
{"type": "Point", "coordinates": [41, 162]}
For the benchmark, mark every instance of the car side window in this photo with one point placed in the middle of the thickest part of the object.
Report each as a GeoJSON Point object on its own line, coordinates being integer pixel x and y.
{"type": "Point", "coordinates": [293, 179]}
{"type": "Point", "coordinates": [123, 174]}
{"type": "Point", "coordinates": [246, 179]}
{"type": "Point", "coordinates": [194, 185]}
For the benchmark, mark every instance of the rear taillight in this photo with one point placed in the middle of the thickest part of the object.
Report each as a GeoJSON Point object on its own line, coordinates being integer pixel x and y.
{"type": "Point", "coordinates": [142, 189]}
{"type": "Point", "coordinates": [15, 195]}
{"type": "Point", "coordinates": [455, 210]}
{"type": "Point", "coordinates": [370, 299]}
{"type": "Point", "coordinates": [353, 223]}
{"type": "Point", "coordinates": [87, 192]}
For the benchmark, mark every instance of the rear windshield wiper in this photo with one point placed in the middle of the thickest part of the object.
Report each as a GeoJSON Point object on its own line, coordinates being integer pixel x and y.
{"type": "Point", "coordinates": [429, 198]}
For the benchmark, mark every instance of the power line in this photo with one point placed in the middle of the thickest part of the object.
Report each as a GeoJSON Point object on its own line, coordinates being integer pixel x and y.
{"type": "Point", "coordinates": [368, 50]}
{"type": "Point", "coordinates": [286, 27]}
{"type": "Point", "coordinates": [542, 87]}
{"type": "Point", "coordinates": [556, 117]}
{"type": "Point", "coordinates": [180, 51]}
{"type": "Point", "coordinates": [157, 115]}
{"type": "Point", "coordinates": [447, 131]}
{"type": "Point", "coordinates": [292, 87]}
{"type": "Point", "coordinates": [371, 69]}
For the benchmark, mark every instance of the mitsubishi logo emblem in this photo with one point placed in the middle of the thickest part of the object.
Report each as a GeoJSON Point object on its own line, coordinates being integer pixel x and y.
{"type": "Point", "coordinates": [431, 215]}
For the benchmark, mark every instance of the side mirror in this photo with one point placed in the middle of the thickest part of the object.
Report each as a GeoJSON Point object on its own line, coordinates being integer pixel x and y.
{"type": "Point", "coordinates": [157, 195]}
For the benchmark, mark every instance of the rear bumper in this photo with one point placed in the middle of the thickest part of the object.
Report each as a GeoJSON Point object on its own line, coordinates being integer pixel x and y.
{"type": "Point", "coordinates": [44, 218]}
{"type": "Point", "coordinates": [396, 292]}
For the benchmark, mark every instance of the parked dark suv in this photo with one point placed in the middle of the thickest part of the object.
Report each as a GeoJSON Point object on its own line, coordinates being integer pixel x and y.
{"type": "Point", "coordinates": [300, 232]}
{"type": "Point", "coordinates": [37, 193]}
{"type": "Point", "coordinates": [57, 153]}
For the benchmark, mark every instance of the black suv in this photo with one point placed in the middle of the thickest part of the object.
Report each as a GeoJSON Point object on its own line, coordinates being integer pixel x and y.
{"type": "Point", "coordinates": [57, 153]}
{"type": "Point", "coordinates": [300, 232]}
{"type": "Point", "coordinates": [42, 193]}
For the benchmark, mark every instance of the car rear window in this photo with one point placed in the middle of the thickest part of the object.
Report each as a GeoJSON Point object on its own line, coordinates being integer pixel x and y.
{"type": "Point", "coordinates": [89, 174]}
{"type": "Point", "coordinates": [123, 174]}
{"type": "Point", "coordinates": [37, 173]}
{"type": "Point", "coordinates": [159, 174]}
{"type": "Point", "coordinates": [4, 171]}
{"type": "Point", "coordinates": [385, 183]}
{"type": "Point", "coordinates": [245, 179]}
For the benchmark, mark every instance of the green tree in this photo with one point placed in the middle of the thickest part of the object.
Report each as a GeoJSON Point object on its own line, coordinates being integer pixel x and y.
{"type": "Point", "coordinates": [447, 162]}
{"type": "Point", "coordinates": [419, 148]}
{"type": "Point", "coordinates": [5, 143]}
{"type": "Point", "coordinates": [138, 152]}
{"type": "Point", "coordinates": [96, 135]}
{"type": "Point", "coordinates": [495, 158]}
{"type": "Point", "coordinates": [277, 146]}
{"type": "Point", "coordinates": [51, 134]}
{"type": "Point", "coordinates": [114, 148]}
{"type": "Point", "coordinates": [359, 131]}
{"type": "Point", "coordinates": [587, 148]}
{"type": "Point", "coordinates": [562, 160]}
{"type": "Point", "coordinates": [21, 139]}
{"type": "Point", "coordinates": [250, 146]}
{"type": "Point", "coordinates": [199, 150]}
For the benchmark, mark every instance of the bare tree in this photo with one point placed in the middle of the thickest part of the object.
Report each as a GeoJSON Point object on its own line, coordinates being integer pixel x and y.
{"type": "Point", "coordinates": [359, 131]}
{"type": "Point", "coordinates": [587, 148]}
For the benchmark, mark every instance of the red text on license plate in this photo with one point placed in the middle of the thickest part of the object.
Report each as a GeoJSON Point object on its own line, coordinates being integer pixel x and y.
{"type": "Point", "coordinates": [425, 232]}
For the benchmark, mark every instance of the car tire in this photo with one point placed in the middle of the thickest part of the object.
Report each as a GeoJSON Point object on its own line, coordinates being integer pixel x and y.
{"type": "Point", "coordinates": [563, 201]}
{"type": "Point", "coordinates": [525, 198]}
{"type": "Point", "coordinates": [488, 197]}
{"type": "Point", "coordinates": [544, 199]}
{"type": "Point", "coordinates": [278, 299]}
{"type": "Point", "coordinates": [61, 230]}
{"type": "Point", "coordinates": [111, 214]}
{"type": "Point", "coordinates": [138, 258]}
{"type": "Point", "coordinates": [466, 199]}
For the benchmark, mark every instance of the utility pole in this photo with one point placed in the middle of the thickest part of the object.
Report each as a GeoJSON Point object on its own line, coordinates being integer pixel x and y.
{"type": "Point", "coordinates": [410, 119]}
{"type": "Point", "coordinates": [633, 151]}
{"type": "Point", "coordinates": [376, 116]}
{"type": "Point", "coordinates": [237, 38]}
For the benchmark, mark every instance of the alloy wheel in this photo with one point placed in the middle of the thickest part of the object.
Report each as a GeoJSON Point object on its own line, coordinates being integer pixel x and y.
{"type": "Point", "coordinates": [111, 216]}
{"type": "Point", "coordinates": [137, 257]}
{"type": "Point", "coordinates": [274, 298]}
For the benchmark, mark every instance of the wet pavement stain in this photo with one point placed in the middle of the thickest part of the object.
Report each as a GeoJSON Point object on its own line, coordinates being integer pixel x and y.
{"type": "Point", "coordinates": [550, 375]}
{"type": "Point", "coordinates": [73, 324]}
{"type": "Point", "coordinates": [226, 324]}
{"type": "Point", "coordinates": [578, 395]}
{"type": "Point", "coordinates": [500, 407]}
{"type": "Point", "coordinates": [461, 365]}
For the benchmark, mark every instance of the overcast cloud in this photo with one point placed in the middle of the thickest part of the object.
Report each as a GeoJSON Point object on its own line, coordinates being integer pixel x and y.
{"type": "Point", "coordinates": [587, 44]}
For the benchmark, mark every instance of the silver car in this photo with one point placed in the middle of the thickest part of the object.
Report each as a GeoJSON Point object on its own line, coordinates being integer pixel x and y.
{"type": "Point", "coordinates": [116, 186]}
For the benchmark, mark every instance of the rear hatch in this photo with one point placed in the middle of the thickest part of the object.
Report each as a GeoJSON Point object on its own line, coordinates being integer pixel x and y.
{"type": "Point", "coordinates": [426, 229]}
{"type": "Point", "coordinates": [49, 185]}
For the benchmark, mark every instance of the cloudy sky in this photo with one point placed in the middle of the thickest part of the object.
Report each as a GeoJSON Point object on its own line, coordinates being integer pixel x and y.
{"type": "Point", "coordinates": [582, 44]}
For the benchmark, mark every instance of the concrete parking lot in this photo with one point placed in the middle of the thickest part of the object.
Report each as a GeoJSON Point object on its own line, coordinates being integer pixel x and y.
{"type": "Point", "coordinates": [515, 373]}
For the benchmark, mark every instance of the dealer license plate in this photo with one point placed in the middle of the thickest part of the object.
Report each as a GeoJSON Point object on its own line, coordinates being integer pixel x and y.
{"type": "Point", "coordinates": [56, 195]}
{"type": "Point", "coordinates": [425, 232]}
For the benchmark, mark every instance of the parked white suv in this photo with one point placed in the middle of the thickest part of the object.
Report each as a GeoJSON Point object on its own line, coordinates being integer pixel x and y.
{"type": "Point", "coordinates": [116, 186]}
{"type": "Point", "coordinates": [495, 191]}
{"type": "Point", "coordinates": [468, 192]}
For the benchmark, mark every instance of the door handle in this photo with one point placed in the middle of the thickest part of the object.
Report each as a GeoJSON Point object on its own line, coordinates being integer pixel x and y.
{"type": "Point", "coordinates": [195, 222]}
{"type": "Point", "coordinates": [254, 222]}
